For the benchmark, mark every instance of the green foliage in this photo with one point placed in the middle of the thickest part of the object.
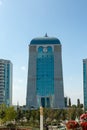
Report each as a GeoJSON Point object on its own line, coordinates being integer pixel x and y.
{"type": "Point", "coordinates": [79, 112]}
{"type": "Point", "coordinates": [2, 111]}
{"type": "Point", "coordinates": [74, 106]}
{"type": "Point", "coordinates": [11, 125]}
{"type": "Point", "coordinates": [19, 115]}
{"type": "Point", "coordinates": [51, 116]}
{"type": "Point", "coordinates": [7, 113]}
{"type": "Point", "coordinates": [28, 114]}
{"type": "Point", "coordinates": [2, 114]}
{"type": "Point", "coordinates": [10, 114]}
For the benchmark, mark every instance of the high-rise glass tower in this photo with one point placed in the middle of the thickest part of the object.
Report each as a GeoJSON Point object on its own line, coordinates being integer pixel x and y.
{"type": "Point", "coordinates": [5, 82]}
{"type": "Point", "coordinates": [85, 82]}
{"type": "Point", "coordinates": [45, 78]}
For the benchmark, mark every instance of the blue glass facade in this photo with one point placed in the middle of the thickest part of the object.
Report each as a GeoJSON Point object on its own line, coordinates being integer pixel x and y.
{"type": "Point", "coordinates": [45, 76]}
{"type": "Point", "coordinates": [85, 83]}
{"type": "Point", "coordinates": [5, 82]}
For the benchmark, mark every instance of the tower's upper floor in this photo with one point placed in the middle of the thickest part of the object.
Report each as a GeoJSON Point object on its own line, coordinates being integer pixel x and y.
{"type": "Point", "coordinates": [45, 40]}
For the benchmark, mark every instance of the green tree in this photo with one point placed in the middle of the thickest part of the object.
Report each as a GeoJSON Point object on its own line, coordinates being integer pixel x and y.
{"type": "Point", "coordinates": [2, 112]}
{"type": "Point", "coordinates": [69, 102]}
{"type": "Point", "coordinates": [45, 112]}
{"type": "Point", "coordinates": [28, 114]}
{"type": "Point", "coordinates": [78, 102]}
{"type": "Point", "coordinates": [64, 114]}
{"type": "Point", "coordinates": [79, 112]}
{"type": "Point", "coordinates": [19, 115]}
{"type": "Point", "coordinates": [10, 114]}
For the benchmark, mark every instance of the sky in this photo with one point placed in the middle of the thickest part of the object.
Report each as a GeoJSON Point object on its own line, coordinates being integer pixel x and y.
{"type": "Point", "coordinates": [23, 20]}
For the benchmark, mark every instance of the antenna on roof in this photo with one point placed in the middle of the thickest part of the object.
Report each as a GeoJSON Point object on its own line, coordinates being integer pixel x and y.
{"type": "Point", "coordinates": [46, 35]}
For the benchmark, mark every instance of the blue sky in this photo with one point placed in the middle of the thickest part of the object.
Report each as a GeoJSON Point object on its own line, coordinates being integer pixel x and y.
{"type": "Point", "coordinates": [22, 20]}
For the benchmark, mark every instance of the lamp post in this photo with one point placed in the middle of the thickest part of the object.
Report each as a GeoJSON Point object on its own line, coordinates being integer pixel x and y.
{"type": "Point", "coordinates": [41, 118]}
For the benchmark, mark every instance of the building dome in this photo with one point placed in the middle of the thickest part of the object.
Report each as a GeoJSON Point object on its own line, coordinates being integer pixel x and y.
{"type": "Point", "coordinates": [45, 40]}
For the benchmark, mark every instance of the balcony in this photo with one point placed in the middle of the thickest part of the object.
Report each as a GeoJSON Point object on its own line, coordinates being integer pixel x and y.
{"type": "Point", "coordinates": [2, 74]}
{"type": "Point", "coordinates": [2, 81]}
{"type": "Point", "coordinates": [2, 100]}
{"type": "Point", "coordinates": [1, 78]}
{"type": "Point", "coordinates": [1, 84]}
{"type": "Point", "coordinates": [1, 70]}
{"type": "Point", "coordinates": [1, 65]}
{"type": "Point", "coordinates": [1, 93]}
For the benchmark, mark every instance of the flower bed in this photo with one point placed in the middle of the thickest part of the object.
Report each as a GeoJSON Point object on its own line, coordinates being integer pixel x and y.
{"type": "Point", "coordinates": [72, 124]}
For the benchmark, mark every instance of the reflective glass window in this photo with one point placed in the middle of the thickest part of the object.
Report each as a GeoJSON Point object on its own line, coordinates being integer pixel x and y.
{"type": "Point", "coordinates": [49, 49]}
{"type": "Point", "coordinates": [45, 73]}
{"type": "Point", "coordinates": [40, 49]}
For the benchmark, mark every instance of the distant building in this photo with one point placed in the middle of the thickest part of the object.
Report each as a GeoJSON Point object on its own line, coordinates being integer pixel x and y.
{"type": "Point", "coordinates": [5, 82]}
{"type": "Point", "coordinates": [85, 82]}
{"type": "Point", "coordinates": [45, 76]}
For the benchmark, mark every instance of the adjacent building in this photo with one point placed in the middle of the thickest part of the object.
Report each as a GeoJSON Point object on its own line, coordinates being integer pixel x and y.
{"type": "Point", "coordinates": [45, 75]}
{"type": "Point", "coordinates": [5, 82]}
{"type": "Point", "coordinates": [85, 82]}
